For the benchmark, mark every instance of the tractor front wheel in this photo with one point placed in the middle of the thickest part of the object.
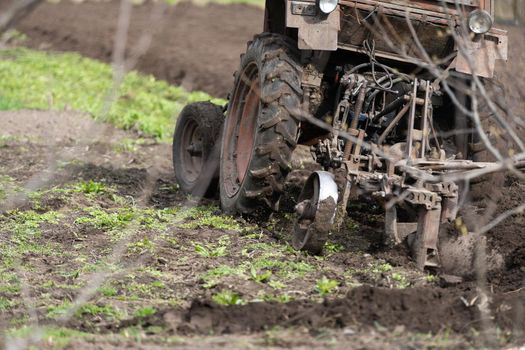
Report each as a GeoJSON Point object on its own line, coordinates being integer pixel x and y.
{"type": "Point", "coordinates": [196, 148]}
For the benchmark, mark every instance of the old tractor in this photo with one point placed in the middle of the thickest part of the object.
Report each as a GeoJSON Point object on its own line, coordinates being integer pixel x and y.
{"type": "Point", "coordinates": [394, 100]}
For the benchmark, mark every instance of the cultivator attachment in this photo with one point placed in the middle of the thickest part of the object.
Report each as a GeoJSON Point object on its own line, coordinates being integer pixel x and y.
{"type": "Point", "coordinates": [415, 176]}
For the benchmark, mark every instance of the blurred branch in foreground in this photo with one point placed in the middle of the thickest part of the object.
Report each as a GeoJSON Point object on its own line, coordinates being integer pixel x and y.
{"type": "Point", "coordinates": [18, 10]}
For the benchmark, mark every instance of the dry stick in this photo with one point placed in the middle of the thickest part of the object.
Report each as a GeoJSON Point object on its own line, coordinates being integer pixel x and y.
{"type": "Point", "coordinates": [518, 210]}
{"type": "Point", "coordinates": [463, 49]}
{"type": "Point", "coordinates": [432, 67]}
{"type": "Point", "coordinates": [120, 66]}
{"type": "Point", "coordinates": [427, 58]}
{"type": "Point", "coordinates": [462, 42]}
{"type": "Point", "coordinates": [429, 64]}
{"type": "Point", "coordinates": [474, 113]}
{"type": "Point", "coordinates": [480, 265]}
{"type": "Point", "coordinates": [326, 126]}
{"type": "Point", "coordinates": [507, 165]}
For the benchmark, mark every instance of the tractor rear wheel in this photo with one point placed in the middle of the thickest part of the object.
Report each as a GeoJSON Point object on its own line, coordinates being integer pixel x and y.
{"type": "Point", "coordinates": [261, 127]}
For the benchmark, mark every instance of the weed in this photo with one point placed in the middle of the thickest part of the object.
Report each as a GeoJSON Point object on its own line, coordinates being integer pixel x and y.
{"type": "Point", "coordinates": [326, 286]}
{"type": "Point", "coordinates": [30, 79]}
{"type": "Point", "coordinates": [276, 284]}
{"type": "Point", "coordinates": [13, 36]}
{"type": "Point", "coordinates": [227, 297]}
{"type": "Point", "coordinates": [212, 277]}
{"type": "Point", "coordinates": [71, 275]}
{"type": "Point", "coordinates": [284, 269]}
{"type": "Point", "coordinates": [330, 247]}
{"type": "Point", "coordinates": [351, 225]}
{"type": "Point", "coordinates": [151, 271]}
{"type": "Point", "coordinates": [205, 217]}
{"type": "Point", "coordinates": [104, 220]}
{"type": "Point", "coordinates": [431, 278]}
{"type": "Point", "coordinates": [108, 291]}
{"type": "Point", "coordinates": [212, 250]}
{"type": "Point", "coordinates": [25, 226]}
{"type": "Point", "coordinates": [260, 277]}
{"type": "Point", "coordinates": [280, 298]}
{"type": "Point", "coordinates": [209, 251]}
{"type": "Point", "coordinates": [90, 187]}
{"type": "Point", "coordinates": [97, 310]}
{"type": "Point", "coordinates": [158, 284]}
{"type": "Point", "coordinates": [6, 304]}
{"type": "Point", "coordinates": [382, 268]}
{"type": "Point", "coordinates": [57, 337]}
{"type": "Point", "coordinates": [145, 312]}
{"type": "Point", "coordinates": [7, 184]}
{"type": "Point", "coordinates": [57, 311]}
{"type": "Point", "coordinates": [138, 290]}
{"type": "Point", "coordinates": [401, 280]}
{"type": "Point", "coordinates": [143, 246]}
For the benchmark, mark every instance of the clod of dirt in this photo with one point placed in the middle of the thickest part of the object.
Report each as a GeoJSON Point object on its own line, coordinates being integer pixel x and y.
{"type": "Point", "coordinates": [460, 253]}
{"type": "Point", "coordinates": [417, 309]}
{"type": "Point", "coordinates": [129, 181]}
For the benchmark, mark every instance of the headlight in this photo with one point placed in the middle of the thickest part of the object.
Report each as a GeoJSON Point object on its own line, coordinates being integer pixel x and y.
{"type": "Point", "coordinates": [327, 6]}
{"type": "Point", "coordinates": [480, 21]}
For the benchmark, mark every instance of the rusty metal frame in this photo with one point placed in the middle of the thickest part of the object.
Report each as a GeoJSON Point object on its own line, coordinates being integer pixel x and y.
{"type": "Point", "coordinates": [321, 32]}
{"type": "Point", "coordinates": [435, 203]}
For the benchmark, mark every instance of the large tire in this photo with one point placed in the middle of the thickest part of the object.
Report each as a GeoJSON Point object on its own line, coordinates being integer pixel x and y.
{"type": "Point", "coordinates": [261, 126]}
{"type": "Point", "coordinates": [196, 148]}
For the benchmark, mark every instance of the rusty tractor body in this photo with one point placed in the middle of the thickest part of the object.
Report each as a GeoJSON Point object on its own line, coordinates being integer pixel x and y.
{"type": "Point", "coordinates": [376, 90]}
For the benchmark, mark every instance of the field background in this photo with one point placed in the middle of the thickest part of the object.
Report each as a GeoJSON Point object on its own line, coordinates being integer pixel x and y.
{"type": "Point", "coordinates": [99, 249]}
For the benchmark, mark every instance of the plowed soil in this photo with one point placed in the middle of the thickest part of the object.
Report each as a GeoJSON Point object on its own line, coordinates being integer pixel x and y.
{"type": "Point", "coordinates": [198, 47]}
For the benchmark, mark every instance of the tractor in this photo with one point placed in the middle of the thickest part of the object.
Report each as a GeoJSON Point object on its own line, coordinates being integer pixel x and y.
{"type": "Point", "coordinates": [394, 101]}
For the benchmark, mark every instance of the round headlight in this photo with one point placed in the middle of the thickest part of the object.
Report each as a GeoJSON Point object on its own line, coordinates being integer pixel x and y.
{"type": "Point", "coordinates": [480, 21]}
{"type": "Point", "coordinates": [327, 6]}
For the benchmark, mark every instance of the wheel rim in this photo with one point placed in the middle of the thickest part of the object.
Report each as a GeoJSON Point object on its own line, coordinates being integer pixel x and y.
{"type": "Point", "coordinates": [191, 152]}
{"type": "Point", "coordinates": [239, 135]}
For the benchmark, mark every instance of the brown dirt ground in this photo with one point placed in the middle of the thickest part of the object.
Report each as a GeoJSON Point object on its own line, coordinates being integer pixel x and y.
{"type": "Point", "coordinates": [197, 47]}
{"type": "Point", "coordinates": [368, 316]}
{"type": "Point", "coordinates": [186, 52]}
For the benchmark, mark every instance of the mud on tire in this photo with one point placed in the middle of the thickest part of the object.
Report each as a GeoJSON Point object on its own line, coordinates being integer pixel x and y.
{"type": "Point", "coordinates": [261, 127]}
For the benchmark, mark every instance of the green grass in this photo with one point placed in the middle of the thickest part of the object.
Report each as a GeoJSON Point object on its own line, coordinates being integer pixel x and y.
{"type": "Point", "coordinates": [90, 187]}
{"type": "Point", "coordinates": [325, 286]}
{"type": "Point", "coordinates": [145, 312]}
{"type": "Point", "coordinates": [210, 251]}
{"type": "Point", "coordinates": [40, 80]}
{"type": "Point", "coordinates": [104, 220]}
{"type": "Point", "coordinates": [213, 276]}
{"type": "Point", "coordinates": [228, 297]}
{"type": "Point", "coordinates": [54, 337]}
{"type": "Point", "coordinates": [206, 216]}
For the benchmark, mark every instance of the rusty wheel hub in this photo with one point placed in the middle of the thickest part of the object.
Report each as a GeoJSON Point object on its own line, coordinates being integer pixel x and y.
{"type": "Point", "coordinates": [239, 135]}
